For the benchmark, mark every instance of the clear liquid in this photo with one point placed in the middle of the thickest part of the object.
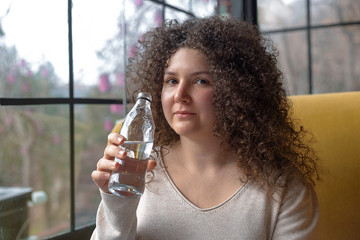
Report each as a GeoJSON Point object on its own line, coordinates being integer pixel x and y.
{"type": "Point", "coordinates": [129, 180]}
{"type": "Point", "coordinates": [137, 149]}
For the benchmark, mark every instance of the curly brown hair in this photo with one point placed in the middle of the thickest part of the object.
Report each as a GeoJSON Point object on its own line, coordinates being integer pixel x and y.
{"type": "Point", "coordinates": [252, 111]}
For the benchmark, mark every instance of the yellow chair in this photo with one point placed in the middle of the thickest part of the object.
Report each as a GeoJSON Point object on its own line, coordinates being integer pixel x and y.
{"type": "Point", "coordinates": [334, 120]}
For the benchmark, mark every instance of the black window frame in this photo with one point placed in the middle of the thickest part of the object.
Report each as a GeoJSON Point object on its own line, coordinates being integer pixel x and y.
{"type": "Point", "coordinates": [83, 232]}
{"type": "Point", "coordinates": [251, 14]}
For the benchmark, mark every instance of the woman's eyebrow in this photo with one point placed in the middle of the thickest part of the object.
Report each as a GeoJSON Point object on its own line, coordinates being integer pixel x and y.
{"type": "Point", "coordinates": [200, 72]}
{"type": "Point", "coordinates": [192, 73]}
{"type": "Point", "coordinates": [170, 73]}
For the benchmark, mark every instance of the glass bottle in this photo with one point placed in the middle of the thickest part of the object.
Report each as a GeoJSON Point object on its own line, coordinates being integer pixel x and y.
{"type": "Point", "coordinates": [138, 129]}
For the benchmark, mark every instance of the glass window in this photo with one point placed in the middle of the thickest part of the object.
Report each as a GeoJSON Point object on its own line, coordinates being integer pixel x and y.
{"type": "Point", "coordinates": [99, 59]}
{"type": "Point", "coordinates": [33, 49]}
{"type": "Point", "coordinates": [293, 60]}
{"type": "Point", "coordinates": [97, 49]}
{"type": "Point", "coordinates": [143, 18]}
{"type": "Point", "coordinates": [334, 11]}
{"type": "Point", "coordinates": [280, 14]}
{"type": "Point", "coordinates": [184, 4]}
{"type": "Point", "coordinates": [92, 125]}
{"type": "Point", "coordinates": [332, 51]}
{"type": "Point", "coordinates": [173, 14]}
{"type": "Point", "coordinates": [42, 157]}
{"type": "Point", "coordinates": [336, 57]}
{"type": "Point", "coordinates": [34, 153]}
{"type": "Point", "coordinates": [204, 8]}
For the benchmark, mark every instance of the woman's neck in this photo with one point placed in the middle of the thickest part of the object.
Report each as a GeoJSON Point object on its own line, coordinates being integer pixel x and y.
{"type": "Point", "coordinates": [203, 171]}
{"type": "Point", "coordinates": [200, 156]}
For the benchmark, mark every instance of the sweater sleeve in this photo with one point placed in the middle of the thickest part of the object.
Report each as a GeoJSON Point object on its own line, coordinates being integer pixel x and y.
{"type": "Point", "coordinates": [116, 218]}
{"type": "Point", "coordinates": [299, 214]}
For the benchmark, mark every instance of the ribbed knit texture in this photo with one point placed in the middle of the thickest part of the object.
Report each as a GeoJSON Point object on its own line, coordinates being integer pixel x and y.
{"type": "Point", "coordinates": [164, 213]}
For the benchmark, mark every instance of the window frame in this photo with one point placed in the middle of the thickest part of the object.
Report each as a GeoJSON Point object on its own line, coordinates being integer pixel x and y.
{"type": "Point", "coordinates": [308, 29]}
{"type": "Point", "coordinates": [82, 231]}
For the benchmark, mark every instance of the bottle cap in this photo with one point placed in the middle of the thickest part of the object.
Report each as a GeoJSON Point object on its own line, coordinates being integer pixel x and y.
{"type": "Point", "coordinates": [144, 95]}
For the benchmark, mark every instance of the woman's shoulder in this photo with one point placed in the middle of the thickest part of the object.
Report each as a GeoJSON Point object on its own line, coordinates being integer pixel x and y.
{"type": "Point", "coordinates": [285, 189]}
{"type": "Point", "coordinates": [294, 191]}
{"type": "Point", "coordinates": [298, 189]}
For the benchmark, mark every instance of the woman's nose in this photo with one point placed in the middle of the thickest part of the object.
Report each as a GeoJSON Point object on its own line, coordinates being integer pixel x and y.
{"type": "Point", "coordinates": [182, 94]}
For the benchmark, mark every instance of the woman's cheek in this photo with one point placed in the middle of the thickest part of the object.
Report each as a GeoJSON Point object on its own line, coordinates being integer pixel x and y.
{"type": "Point", "coordinates": [166, 106]}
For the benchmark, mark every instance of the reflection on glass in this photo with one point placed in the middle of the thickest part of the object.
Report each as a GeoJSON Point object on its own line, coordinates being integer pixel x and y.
{"type": "Point", "coordinates": [279, 14]}
{"type": "Point", "coordinates": [93, 124]}
{"type": "Point", "coordinates": [337, 11]}
{"type": "Point", "coordinates": [336, 59]}
{"type": "Point", "coordinates": [293, 60]}
{"type": "Point", "coordinates": [33, 51]}
{"type": "Point", "coordinates": [34, 153]}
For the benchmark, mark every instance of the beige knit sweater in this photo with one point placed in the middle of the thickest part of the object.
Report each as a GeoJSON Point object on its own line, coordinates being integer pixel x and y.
{"type": "Point", "coordinates": [164, 213]}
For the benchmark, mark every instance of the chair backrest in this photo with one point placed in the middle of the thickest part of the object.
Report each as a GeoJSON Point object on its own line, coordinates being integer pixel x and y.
{"type": "Point", "coordinates": [334, 120]}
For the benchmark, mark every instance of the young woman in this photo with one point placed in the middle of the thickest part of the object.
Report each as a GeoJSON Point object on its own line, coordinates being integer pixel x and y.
{"type": "Point", "coordinates": [229, 162]}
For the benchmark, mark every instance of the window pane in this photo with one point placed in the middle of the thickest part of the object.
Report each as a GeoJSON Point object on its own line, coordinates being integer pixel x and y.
{"type": "Point", "coordinates": [183, 4]}
{"type": "Point", "coordinates": [144, 17]}
{"type": "Point", "coordinates": [139, 21]}
{"type": "Point", "coordinates": [293, 60]}
{"type": "Point", "coordinates": [172, 14]}
{"type": "Point", "coordinates": [34, 153]}
{"type": "Point", "coordinates": [33, 48]}
{"type": "Point", "coordinates": [334, 11]}
{"type": "Point", "coordinates": [99, 43]}
{"type": "Point", "coordinates": [204, 8]}
{"type": "Point", "coordinates": [279, 14]}
{"type": "Point", "coordinates": [93, 124]}
{"type": "Point", "coordinates": [98, 49]}
{"type": "Point", "coordinates": [336, 59]}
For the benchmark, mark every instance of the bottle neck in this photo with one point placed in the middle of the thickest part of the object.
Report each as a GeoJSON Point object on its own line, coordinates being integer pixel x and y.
{"type": "Point", "coordinates": [141, 102]}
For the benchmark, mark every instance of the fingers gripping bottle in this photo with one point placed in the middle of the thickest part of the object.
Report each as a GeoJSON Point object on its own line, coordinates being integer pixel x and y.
{"type": "Point", "coordinates": [138, 129]}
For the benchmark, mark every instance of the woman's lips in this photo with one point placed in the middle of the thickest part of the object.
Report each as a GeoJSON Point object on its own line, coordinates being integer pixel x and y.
{"type": "Point", "coordinates": [184, 114]}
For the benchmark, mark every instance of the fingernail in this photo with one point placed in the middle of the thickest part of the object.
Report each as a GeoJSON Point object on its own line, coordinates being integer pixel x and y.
{"type": "Point", "coordinates": [114, 165]}
{"type": "Point", "coordinates": [119, 139]}
{"type": "Point", "coordinates": [121, 153]}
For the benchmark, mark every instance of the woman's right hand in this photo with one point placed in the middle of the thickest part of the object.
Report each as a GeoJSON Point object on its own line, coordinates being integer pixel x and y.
{"type": "Point", "coordinates": [106, 164]}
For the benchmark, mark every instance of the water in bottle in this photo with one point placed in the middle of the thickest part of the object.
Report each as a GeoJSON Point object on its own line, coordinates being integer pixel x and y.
{"type": "Point", "coordinates": [138, 129]}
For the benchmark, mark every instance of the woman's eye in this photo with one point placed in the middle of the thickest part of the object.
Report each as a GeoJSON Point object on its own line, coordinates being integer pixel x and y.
{"type": "Point", "coordinates": [171, 81]}
{"type": "Point", "coordinates": [201, 81]}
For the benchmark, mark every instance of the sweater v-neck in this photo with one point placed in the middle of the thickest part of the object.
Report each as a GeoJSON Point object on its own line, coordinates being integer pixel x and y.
{"type": "Point", "coordinates": [187, 202]}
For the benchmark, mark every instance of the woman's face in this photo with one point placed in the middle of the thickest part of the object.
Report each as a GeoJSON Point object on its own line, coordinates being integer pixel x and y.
{"type": "Point", "coordinates": [187, 94]}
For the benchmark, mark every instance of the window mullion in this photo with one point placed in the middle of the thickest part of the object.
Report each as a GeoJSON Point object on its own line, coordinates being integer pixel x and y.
{"type": "Point", "coordinates": [71, 121]}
